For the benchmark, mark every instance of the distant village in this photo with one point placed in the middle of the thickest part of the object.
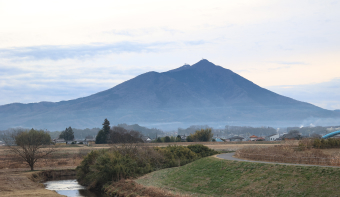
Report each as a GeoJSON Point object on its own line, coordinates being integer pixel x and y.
{"type": "Point", "coordinates": [228, 134]}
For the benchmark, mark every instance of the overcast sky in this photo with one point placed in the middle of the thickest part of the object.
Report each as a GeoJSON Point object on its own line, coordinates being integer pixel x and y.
{"type": "Point", "coordinates": [62, 50]}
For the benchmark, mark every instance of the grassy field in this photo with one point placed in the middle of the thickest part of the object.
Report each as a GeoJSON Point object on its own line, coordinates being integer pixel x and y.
{"type": "Point", "coordinates": [215, 177]}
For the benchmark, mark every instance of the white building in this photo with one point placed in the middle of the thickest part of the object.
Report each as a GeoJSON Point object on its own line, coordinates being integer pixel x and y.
{"type": "Point", "coordinates": [272, 137]}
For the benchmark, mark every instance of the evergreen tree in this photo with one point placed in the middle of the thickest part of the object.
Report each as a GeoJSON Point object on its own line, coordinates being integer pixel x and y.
{"type": "Point", "coordinates": [106, 126]}
{"type": "Point", "coordinates": [101, 137]}
{"type": "Point", "coordinates": [67, 135]}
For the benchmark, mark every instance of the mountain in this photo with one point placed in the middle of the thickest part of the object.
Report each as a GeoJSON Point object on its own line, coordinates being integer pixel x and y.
{"type": "Point", "coordinates": [201, 93]}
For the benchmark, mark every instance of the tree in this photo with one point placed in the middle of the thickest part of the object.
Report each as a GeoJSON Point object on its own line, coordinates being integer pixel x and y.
{"type": "Point", "coordinates": [120, 135]}
{"type": "Point", "coordinates": [167, 139]}
{"type": "Point", "coordinates": [101, 137]}
{"type": "Point", "coordinates": [103, 134]}
{"type": "Point", "coordinates": [190, 138]}
{"type": "Point", "coordinates": [159, 139]}
{"type": "Point", "coordinates": [67, 135]}
{"type": "Point", "coordinates": [106, 127]}
{"type": "Point", "coordinates": [178, 138]}
{"type": "Point", "coordinates": [29, 145]}
{"type": "Point", "coordinates": [203, 135]}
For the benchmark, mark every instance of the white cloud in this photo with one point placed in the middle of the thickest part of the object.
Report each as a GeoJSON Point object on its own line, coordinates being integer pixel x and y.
{"type": "Point", "coordinates": [100, 44]}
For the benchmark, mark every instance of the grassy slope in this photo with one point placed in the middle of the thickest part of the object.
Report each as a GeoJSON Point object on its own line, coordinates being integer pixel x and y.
{"type": "Point", "coordinates": [215, 177]}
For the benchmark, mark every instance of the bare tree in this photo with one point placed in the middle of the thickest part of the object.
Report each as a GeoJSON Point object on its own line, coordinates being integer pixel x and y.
{"type": "Point", "coordinates": [29, 145]}
{"type": "Point", "coordinates": [119, 135]}
{"type": "Point", "coordinates": [124, 141]}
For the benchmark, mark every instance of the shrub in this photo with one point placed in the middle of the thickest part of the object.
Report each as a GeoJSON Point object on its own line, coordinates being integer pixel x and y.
{"type": "Point", "coordinates": [305, 144]}
{"type": "Point", "coordinates": [326, 143]}
{"type": "Point", "coordinates": [83, 170]}
{"type": "Point", "coordinates": [101, 167]}
{"type": "Point", "coordinates": [177, 155]}
{"type": "Point", "coordinates": [201, 150]}
{"type": "Point", "coordinates": [317, 143]}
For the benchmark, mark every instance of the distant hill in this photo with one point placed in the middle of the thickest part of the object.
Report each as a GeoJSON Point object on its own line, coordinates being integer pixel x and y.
{"type": "Point", "coordinates": [201, 93]}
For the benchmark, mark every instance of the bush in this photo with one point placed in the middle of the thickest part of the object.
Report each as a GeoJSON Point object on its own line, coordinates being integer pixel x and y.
{"type": "Point", "coordinates": [326, 143]}
{"type": "Point", "coordinates": [201, 150]}
{"type": "Point", "coordinates": [305, 144]}
{"type": "Point", "coordinates": [101, 167]}
{"type": "Point", "coordinates": [83, 171]}
{"type": "Point", "coordinates": [176, 155]}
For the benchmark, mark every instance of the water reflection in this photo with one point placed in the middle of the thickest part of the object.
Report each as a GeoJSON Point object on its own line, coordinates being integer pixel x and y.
{"type": "Point", "coordinates": [70, 188]}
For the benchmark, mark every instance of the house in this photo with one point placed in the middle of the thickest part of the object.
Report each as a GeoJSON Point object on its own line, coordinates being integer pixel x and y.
{"type": "Point", "coordinates": [183, 138]}
{"type": "Point", "coordinates": [70, 142]}
{"type": "Point", "coordinates": [217, 139]}
{"type": "Point", "coordinates": [236, 139]}
{"type": "Point", "coordinates": [59, 141]}
{"type": "Point", "coordinates": [89, 140]}
{"type": "Point", "coordinates": [272, 137]}
{"type": "Point", "coordinates": [253, 138]}
{"type": "Point", "coordinates": [260, 139]}
{"type": "Point", "coordinates": [292, 136]}
{"type": "Point", "coordinates": [146, 139]}
{"type": "Point", "coordinates": [81, 142]}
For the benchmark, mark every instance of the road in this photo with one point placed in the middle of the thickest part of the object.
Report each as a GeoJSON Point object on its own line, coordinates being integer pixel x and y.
{"type": "Point", "coordinates": [229, 156]}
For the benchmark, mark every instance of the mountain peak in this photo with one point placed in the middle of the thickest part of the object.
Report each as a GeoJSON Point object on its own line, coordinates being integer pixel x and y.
{"type": "Point", "coordinates": [203, 63]}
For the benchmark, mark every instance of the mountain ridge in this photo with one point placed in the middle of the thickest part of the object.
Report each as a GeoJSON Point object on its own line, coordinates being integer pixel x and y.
{"type": "Point", "coordinates": [201, 92]}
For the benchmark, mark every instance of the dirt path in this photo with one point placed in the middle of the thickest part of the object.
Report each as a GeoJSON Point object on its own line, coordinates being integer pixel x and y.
{"type": "Point", "coordinates": [230, 156]}
{"type": "Point", "coordinates": [17, 182]}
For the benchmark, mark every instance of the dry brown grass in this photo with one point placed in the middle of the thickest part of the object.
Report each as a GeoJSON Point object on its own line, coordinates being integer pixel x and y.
{"type": "Point", "coordinates": [14, 183]}
{"type": "Point", "coordinates": [70, 155]}
{"type": "Point", "coordinates": [62, 157]}
{"type": "Point", "coordinates": [288, 153]}
{"type": "Point", "coordinates": [221, 146]}
{"type": "Point", "coordinates": [130, 188]}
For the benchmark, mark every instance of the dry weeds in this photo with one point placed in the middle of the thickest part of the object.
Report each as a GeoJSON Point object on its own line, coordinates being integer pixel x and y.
{"type": "Point", "coordinates": [73, 155]}
{"type": "Point", "coordinates": [62, 157]}
{"type": "Point", "coordinates": [14, 183]}
{"type": "Point", "coordinates": [288, 153]}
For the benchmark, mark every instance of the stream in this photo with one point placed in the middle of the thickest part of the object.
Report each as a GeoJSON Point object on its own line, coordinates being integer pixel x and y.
{"type": "Point", "coordinates": [71, 188]}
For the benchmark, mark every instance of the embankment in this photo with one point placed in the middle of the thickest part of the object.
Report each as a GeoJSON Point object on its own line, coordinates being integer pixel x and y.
{"type": "Point", "coordinates": [215, 177]}
{"type": "Point", "coordinates": [17, 182]}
